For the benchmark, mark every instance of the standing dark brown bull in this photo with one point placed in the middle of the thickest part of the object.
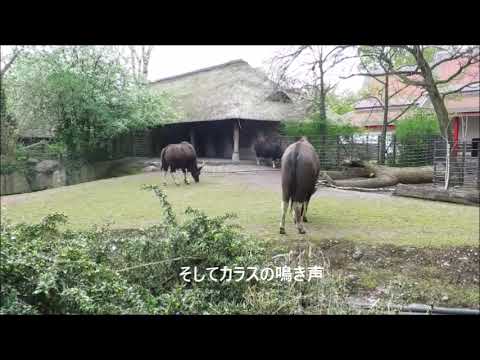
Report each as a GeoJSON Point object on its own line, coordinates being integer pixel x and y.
{"type": "Point", "coordinates": [300, 169]}
{"type": "Point", "coordinates": [180, 156]}
{"type": "Point", "coordinates": [267, 149]}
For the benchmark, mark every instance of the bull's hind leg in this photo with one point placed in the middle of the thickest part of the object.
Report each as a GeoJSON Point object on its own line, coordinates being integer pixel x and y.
{"type": "Point", "coordinates": [298, 216]}
{"type": "Point", "coordinates": [174, 180]}
{"type": "Point", "coordinates": [164, 177]}
{"type": "Point", "coordinates": [185, 177]}
{"type": "Point", "coordinates": [282, 220]}
{"type": "Point", "coordinates": [305, 212]}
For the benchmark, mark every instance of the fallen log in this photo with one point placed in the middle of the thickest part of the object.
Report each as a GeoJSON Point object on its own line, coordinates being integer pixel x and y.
{"type": "Point", "coordinates": [465, 197]}
{"type": "Point", "coordinates": [325, 183]}
{"type": "Point", "coordinates": [348, 173]}
{"type": "Point", "coordinates": [383, 176]}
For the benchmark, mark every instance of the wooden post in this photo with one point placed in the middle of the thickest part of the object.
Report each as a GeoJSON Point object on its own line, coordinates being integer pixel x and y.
{"type": "Point", "coordinates": [132, 138]}
{"type": "Point", "coordinates": [236, 142]}
{"type": "Point", "coordinates": [192, 138]}
{"type": "Point", "coordinates": [338, 152]}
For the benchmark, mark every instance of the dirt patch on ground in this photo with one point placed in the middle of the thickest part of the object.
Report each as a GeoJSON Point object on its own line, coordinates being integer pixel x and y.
{"type": "Point", "coordinates": [436, 276]}
{"type": "Point", "coordinates": [456, 265]}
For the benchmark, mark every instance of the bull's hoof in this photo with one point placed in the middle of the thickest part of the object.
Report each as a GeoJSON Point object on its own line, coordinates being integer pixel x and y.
{"type": "Point", "coordinates": [301, 231]}
{"type": "Point", "coordinates": [177, 184]}
{"type": "Point", "coordinates": [187, 183]}
{"type": "Point", "coordinates": [282, 230]}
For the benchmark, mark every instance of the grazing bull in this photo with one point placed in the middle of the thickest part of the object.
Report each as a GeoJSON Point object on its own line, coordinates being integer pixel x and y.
{"type": "Point", "coordinates": [180, 156]}
{"type": "Point", "coordinates": [300, 169]}
{"type": "Point", "coordinates": [268, 150]}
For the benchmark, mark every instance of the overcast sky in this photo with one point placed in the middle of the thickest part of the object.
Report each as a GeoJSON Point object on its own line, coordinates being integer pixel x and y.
{"type": "Point", "coordinates": [173, 60]}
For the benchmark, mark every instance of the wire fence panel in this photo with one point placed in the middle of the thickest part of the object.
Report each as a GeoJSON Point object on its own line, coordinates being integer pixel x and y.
{"type": "Point", "coordinates": [413, 152]}
{"type": "Point", "coordinates": [464, 164]}
{"type": "Point", "coordinates": [419, 151]}
{"type": "Point", "coordinates": [333, 151]}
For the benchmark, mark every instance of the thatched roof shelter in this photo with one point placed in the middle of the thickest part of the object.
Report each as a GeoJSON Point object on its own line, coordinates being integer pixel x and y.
{"type": "Point", "coordinates": [233, 90]}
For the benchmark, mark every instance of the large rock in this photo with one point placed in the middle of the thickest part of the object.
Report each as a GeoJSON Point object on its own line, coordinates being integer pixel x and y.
{"type": "Point", "coordinates": [59, 178]}
{"type": "Point", "coordinates": [47, 174]}
{"type": "Point", "coordinates": [47, 166]}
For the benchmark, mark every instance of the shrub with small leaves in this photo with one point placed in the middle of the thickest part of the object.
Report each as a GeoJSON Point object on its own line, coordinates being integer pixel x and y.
{"type": "Point", "coordinates": [46, 269]}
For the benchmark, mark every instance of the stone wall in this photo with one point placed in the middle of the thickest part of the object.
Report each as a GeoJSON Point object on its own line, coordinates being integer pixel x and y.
{"type": "Point", "coordinates": [49, 174]}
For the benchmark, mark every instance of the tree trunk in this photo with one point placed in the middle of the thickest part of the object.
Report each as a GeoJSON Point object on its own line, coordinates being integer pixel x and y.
{"type": "Point", "coordinates": [430, 193]}
{"type": "Point", "coordinates": [384, 176]}
{"type": "Point", "coordinates": [383, 138]}
{"type": "Point", "coordinates": [349, 173]}
{"type": "Point", "coordinates": [322, 109]}
{"type": "Point", "coordinates": [442, 116]}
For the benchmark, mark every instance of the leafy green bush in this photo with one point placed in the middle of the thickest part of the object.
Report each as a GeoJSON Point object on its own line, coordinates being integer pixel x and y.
{"type": "Point", "coordinates": [18, 163]}
{"type": "Point", "coordinates": [419, 124]}
{"type": "Point", "coordinates": [45, 269]}
{"type": "Point", "coordinates": [415, 135]}
{"type": "Point", "coordinates": [314, 127]}
{"type": "Point", "coordinates": [85, 93]}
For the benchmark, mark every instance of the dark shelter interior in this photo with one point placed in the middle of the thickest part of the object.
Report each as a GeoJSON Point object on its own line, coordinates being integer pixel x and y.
{"type": "Point", "coordinates": [224, 139]}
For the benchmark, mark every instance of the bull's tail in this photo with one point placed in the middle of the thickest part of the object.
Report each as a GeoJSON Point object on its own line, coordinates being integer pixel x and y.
{"type": "Point", "coordinates": [162, 159]}
{"type": "Point", "coordinates": [293, 184]}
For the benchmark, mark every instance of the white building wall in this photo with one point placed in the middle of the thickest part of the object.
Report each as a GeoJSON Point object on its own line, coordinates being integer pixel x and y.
{"type": "Point", "coordinates": [469, 128]}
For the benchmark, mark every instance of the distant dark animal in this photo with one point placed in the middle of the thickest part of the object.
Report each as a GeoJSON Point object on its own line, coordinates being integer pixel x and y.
{"type": "Point", "coordinates": [300, 170]}
{"type": "Point", "coordinates": [267, 149]}
{"type": "Point", "coordinates": [180, 157]}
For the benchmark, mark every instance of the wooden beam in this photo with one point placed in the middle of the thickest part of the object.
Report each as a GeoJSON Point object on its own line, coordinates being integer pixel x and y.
{"type": "Point", "coordinates": [236, 142]}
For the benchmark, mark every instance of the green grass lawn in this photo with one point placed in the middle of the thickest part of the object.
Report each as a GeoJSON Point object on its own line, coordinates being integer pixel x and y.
{"type": "Point", "coordinates": [378, 219]}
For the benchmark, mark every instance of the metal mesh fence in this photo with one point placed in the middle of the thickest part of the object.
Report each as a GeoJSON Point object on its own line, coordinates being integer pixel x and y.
{"type": "Point", "coordinates": [420, 151]}
{"type": "Point", "coordinates": [464, 164]}
{"type": "Point", "coordinates": [417, 151]}
{"type": "Point", "coordinates": [333, 151]}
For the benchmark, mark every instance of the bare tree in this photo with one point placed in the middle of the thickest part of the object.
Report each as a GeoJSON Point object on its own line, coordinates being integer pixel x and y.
{"type": "Point", "coordinates": [376, 63]}
{"type": "Point", "coordinates": [437, 88]}
{"type": "Point", "coordinates": [315, 64]}
{"type": "Point", "coordinates": [7, 123]}
{"type": "Point", "coordinates": [419, 71]}
{"type": "Point", "coordinates": [139, 59]}
{"type": "Point", "coordinates": [7, 58]}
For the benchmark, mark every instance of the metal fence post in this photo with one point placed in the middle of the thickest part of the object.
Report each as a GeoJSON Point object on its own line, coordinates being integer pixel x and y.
{"type": "Point", "coordinates": [378, 148]}
{"type": "Point", "coordinates": [394, 142]}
